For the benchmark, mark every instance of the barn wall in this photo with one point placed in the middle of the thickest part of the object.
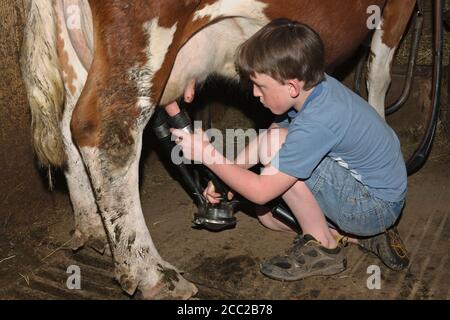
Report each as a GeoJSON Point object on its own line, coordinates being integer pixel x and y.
{"type": "Point", "coordinates": [425, 53]}
{"type": "Point", "coordinates": [21, 185]}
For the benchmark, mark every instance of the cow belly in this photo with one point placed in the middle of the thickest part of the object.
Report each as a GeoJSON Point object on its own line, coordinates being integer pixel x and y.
{"type": "Point", "coordinates": [211, 50]}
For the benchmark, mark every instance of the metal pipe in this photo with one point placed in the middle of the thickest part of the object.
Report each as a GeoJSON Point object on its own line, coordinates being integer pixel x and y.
{"type": "Point", "coordinates": [422, 152]}
{"type": "Point", "coordinates": [411, 65]}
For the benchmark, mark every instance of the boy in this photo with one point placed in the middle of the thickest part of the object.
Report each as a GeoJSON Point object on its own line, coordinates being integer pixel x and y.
{"type": "Point", "coordinates": [330, 156]}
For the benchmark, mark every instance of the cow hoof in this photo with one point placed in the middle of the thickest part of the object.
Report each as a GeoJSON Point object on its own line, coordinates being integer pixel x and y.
{"type": "Point", "coordinates": [99, 245]}
{"type": "Point", "coordinates": [180, 290]}
{"type": "Point", "coordinates": [78, 240]}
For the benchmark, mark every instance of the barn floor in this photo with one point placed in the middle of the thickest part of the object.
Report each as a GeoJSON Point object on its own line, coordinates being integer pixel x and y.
{"type": "Point", "coordinates": [34, 255]}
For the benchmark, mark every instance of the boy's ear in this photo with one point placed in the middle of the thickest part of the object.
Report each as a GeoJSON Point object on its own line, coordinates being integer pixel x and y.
{"type": "Point", "coordinates": [295, 87]}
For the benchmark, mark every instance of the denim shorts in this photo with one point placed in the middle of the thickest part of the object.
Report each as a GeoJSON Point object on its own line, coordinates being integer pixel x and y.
{"type": "Point", "coordinates": [348, 204]}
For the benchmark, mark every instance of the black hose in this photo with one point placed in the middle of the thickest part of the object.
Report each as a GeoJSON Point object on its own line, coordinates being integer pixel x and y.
{"type": "Point", "coordinates": [285, 215]}
{"type": "Point", "coordinates": [162, 132]}
{"type": "Point", "coordinates": [183, 121]}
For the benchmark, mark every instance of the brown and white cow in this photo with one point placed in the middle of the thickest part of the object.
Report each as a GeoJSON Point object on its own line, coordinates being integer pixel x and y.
{"type": "Point", "coordinates": [96, 70]}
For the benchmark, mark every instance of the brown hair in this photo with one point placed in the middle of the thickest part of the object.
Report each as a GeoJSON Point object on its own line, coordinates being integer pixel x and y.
{"type": "Point", "coordinates": [283, 49]}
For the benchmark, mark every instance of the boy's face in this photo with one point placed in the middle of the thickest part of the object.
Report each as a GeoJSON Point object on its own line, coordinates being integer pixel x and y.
{"type": "Point", "coordinates": [273, 95]}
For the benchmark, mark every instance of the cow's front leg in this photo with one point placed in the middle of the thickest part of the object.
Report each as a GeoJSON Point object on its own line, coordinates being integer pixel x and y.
{"type": "Point", "coordinates": [113, 165]}
{"type": "Point", "coordinates": [384, 43]}
{"type": "Point", "coordinates": [379, 72]}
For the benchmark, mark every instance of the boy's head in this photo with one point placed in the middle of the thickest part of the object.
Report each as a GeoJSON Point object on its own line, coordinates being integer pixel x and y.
{"type": "Point", "coordinates": [283, 49]}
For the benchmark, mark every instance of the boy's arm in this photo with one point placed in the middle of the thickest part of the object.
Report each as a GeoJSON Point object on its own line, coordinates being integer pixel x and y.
{"type": "Point", "coordinates": [246, 158]}
{"type": "Point", "coordinates": [259, 189]}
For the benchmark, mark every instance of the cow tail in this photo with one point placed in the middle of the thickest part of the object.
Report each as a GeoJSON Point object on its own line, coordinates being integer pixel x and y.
{"type": "Point", "coordinates": [43, 82]}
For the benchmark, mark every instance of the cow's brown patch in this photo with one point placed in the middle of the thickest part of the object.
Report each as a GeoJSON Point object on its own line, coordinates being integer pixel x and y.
{"type": "Point", "coordinates": [341, 24]}
{"type": "Point", "coordinates": [106, 114]}
{"type": "Point", "coordinates": [395, 19]}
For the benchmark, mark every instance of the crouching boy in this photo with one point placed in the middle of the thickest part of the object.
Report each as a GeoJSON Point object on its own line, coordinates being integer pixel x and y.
{"type": "Point", "coordinates": [333, 159]}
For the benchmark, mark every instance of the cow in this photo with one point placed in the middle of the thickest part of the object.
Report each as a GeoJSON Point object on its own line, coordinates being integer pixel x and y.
{"type": "Point", "coordinates": [96, 70]}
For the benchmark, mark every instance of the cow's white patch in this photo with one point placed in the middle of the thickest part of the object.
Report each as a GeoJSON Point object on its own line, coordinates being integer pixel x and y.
{"type": "Point", "coordinates": [118, 198]}
{"type": "Point", "coordinates": [159, 41]}
{"type": "Point", "coordinates": [137, 262]}
{"type": "Point", "coordinates": [245, 8]}
{"type": "Point", "coordinates": [211, 50]}
{"type": "Point", "coordinates": [379, 75]}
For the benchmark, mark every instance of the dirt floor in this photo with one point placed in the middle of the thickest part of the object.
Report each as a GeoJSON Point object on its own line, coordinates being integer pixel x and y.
{"type": "Point", "coordinates": [34, 254]}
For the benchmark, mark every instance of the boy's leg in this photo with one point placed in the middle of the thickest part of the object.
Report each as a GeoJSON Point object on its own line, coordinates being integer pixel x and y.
{"type": "Point", "coordinates": [387, 245]}
{"type": "Point", "coordinates": [308, 214]}
{"type": "Point", "coordinates": [316, 252]}
{"type": "Point", "coordinates": [266, 218]}
{"type": "Point", "coordinates": [358, 212]}
{"type": "Point", "coordinates": [299, 198]}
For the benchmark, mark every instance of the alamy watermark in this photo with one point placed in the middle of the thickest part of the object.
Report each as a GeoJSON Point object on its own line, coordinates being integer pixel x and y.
{"type": "Point", "coordinates": [231, 146]}
{"type": "Point", "coordinates": [73, 20]}
{"type": "Point", "coordinates": [73, 14]}
{"type": "Point", "coordinates": [74, 280]}
{"type": "Point", "coordinates": [374, 20]}
{"type": "Point", "coordinates": [374, 280]}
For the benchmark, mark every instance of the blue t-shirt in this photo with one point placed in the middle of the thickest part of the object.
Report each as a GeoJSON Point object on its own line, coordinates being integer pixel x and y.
{"type": "Point", "coordinates": [338, 123]}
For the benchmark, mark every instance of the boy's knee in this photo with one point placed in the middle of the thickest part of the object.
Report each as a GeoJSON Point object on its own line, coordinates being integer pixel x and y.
{"type": "Point", "coordinates": [270, 143]}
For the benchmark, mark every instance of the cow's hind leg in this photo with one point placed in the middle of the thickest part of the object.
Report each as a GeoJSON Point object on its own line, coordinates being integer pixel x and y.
{"type": "Point", "coordinates": [384, 43]}
{"type": "Point", "coordinates": [89, 229]}
{"type": "Point", "coordinates": [47, 59]}
{"type": "Point", "coordinates": [111, 148]}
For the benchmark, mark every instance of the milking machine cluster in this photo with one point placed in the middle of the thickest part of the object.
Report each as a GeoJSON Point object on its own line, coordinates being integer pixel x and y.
{"type": "Point", "coordinates": [214, 217]}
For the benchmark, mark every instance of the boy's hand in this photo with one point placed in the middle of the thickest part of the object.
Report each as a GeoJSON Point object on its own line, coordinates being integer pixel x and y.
{"type": "Point", "coordinates": [193, 145]}
{"type": "Point", "coordinates": [212, 196]}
